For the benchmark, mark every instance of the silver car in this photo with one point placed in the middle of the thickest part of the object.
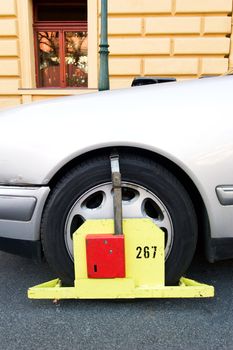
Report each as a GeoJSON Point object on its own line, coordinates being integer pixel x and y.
{"type": "Point", "coordinates": [175, 142]}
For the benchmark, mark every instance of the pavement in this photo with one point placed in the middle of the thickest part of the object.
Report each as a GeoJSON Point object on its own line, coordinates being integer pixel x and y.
{"type": "Point", "coordinates": [114, 324]}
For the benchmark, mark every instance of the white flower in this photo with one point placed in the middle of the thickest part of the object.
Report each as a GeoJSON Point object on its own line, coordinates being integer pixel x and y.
{"type": "Point", "coordinates": [70, 60]}
{"type": "Point", "coordinates": [83, 59]}
{"type": "Point", "coordinates": [55, 59]}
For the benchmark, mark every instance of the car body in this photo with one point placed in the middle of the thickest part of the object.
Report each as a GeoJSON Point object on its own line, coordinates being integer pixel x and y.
{"type": "Point", "coordinates": [185, 126]}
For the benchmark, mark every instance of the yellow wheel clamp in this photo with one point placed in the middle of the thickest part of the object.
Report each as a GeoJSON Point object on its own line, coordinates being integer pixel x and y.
{"type": "Point", "coordinates": [110, 265]}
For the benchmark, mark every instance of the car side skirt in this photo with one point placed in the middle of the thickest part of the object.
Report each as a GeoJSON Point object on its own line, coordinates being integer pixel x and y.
{"type": "Point", "coordinates": [219, 249]}
{"type": "Point", "coordinates": [27, 249]}
{"type": "Point", "coordinates": [21, 210]}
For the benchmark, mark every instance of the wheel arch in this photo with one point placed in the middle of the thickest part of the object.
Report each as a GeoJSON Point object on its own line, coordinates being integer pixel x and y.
{"type": "Point", "coordinates": [176, 170]}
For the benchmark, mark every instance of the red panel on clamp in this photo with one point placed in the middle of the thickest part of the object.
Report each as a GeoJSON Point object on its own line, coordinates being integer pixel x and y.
{"type": "Point", "coordinates": [105, 256]}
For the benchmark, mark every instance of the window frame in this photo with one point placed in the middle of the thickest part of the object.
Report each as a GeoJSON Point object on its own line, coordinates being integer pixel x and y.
{"type": "Point", "coordinates": [60, 27]}
{"type": "Point", "coordinates": [27, 88]}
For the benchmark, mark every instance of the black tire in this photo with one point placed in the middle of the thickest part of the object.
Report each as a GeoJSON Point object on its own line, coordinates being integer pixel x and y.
{"type": "Point", "coordinates": [140, 171]}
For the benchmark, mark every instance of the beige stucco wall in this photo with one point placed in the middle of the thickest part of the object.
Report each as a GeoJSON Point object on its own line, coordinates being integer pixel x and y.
{"type": "Point", "coordinates": [181, 38]}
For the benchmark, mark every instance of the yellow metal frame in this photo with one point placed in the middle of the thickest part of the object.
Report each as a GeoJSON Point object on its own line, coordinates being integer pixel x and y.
{"type": "Point", "coordinates": [144, 252]}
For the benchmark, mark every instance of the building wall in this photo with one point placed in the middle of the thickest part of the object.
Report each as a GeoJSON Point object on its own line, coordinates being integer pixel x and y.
{"type": "Point", "coordinates": [9, 55]}
{"type": "Point", "coordinates": [181, 38]}
{"type": "Point", "coordinates": [17, 64]}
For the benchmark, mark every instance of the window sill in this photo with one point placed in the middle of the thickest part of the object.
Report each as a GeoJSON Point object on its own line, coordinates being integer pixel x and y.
{"type": "Point", "coordinates": [56, 91]}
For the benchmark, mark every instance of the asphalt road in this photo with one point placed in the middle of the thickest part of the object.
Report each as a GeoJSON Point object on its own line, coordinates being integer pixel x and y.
{"type": "Point", "coordinates": [134, 324]}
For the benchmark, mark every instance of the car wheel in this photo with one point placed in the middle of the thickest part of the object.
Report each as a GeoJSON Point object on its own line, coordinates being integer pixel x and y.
{"type": "Point", "coordinates": [148, 191]}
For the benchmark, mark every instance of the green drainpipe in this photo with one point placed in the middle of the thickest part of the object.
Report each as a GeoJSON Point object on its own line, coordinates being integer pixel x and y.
{"type": "Point", "coordinates": [104, 72]}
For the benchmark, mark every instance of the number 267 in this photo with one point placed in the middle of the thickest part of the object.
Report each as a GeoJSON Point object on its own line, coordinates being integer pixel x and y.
{"type": "Point", "coordinates": [146, 252]}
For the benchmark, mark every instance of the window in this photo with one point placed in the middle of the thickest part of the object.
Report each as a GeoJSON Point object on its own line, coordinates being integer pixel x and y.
{"type": "Point", "coordinates": [60, 34]}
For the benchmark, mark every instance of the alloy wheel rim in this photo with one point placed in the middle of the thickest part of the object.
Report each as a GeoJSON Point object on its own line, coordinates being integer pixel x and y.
{"type": "Point", "coordinates": [137, 202]}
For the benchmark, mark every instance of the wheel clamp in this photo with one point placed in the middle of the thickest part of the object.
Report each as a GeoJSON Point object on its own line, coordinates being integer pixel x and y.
{"type": "Point", "coordinates": [109, 264]}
